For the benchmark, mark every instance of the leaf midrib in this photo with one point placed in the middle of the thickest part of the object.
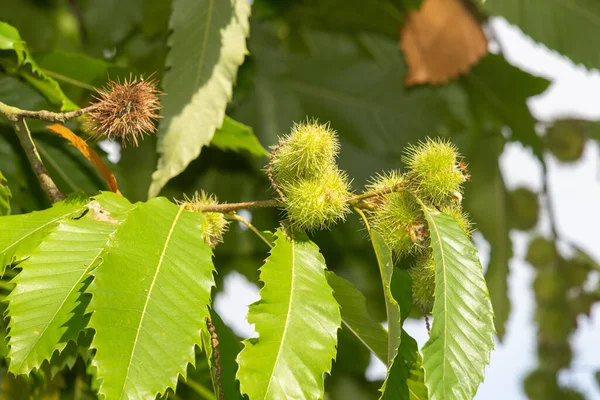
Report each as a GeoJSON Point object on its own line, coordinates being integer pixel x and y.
{"type": "Point", "coordinates": [204, 41]}
{"type": "Point", "coordinates": [150, 289]}
{"type": "Point", "coordinates": [438, 238]}
{"type": "Point", "coordinates": [287, 318]}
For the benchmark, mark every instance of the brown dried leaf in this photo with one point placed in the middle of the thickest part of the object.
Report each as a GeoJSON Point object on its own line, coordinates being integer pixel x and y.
{"type": "Point", "coordinates": [441, 41]}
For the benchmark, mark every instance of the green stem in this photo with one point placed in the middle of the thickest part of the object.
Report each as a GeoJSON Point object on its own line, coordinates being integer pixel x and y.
{"type": "Point", "coordinates": [35, 160]}
{"type": "Point", "coordinates": [251, 227]}
{"type": "Point", "coordinates": [200, 389]}
{"type": "Point", "coordinates": [66, 79]}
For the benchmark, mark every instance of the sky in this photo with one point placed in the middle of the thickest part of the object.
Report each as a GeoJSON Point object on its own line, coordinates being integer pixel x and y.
{"type": "Point", "coordinates": [575, 194]}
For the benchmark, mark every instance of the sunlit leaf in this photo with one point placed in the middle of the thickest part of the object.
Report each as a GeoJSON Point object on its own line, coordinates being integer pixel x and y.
{"type": "Point", "coordinates": [150, 299]}
{"type": "Point", "coordinates": [296, 304]}
{"type": "Point", "coordinates": [45, 308]}
{"type": "Point", "coordinates": [207, 45]}
{"type": "Point", "coordinates": [455, 356]}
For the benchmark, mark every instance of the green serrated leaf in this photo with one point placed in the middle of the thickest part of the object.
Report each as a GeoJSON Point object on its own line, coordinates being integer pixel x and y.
{"type": "Point", "coordinates": [236, 136]}
{"type": "Point", "coordinates": [356, 318]}
{"type": "Point", "coordinates": [462, 335]}
{"type": "Point", "coordinates": [43, 321]}
{"type": "Point", "coordinates": [28, 69]}
{"type": "Point", "coordinates": [386, 269]}
{"type": "Point", "coordinates": [21, 234]}
{"type": "Point", "coordinates": [208, 44]}
{"type": "Point", "coordinates": [297, 319]}
{"type": "Point", "coordinates": [150, 300]}
{"type": "Point", "coordinates": [564, 26]}
{"type": "Point", "coordinates": [5, 196]}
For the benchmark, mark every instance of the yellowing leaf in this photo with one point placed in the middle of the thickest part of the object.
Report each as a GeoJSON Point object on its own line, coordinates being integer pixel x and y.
{"type": "Point", "coordinates": [88, 153]}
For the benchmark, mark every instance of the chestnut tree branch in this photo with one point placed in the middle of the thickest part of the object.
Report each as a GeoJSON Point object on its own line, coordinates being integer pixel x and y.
{"type": "Point", "coordinates": [35, 160]}
{"type": "Point", "coordinates": [356, 201]}
{"type": "Point", "coordinates": [13, 114]}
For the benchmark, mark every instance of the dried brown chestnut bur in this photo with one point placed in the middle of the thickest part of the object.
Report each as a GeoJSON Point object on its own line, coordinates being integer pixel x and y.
{"type": "Point", "coordinates": [125, 110]}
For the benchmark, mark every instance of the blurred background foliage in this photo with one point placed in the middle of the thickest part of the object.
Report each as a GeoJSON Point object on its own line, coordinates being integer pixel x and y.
{"type": "Point", "coordinates": [339, 61]}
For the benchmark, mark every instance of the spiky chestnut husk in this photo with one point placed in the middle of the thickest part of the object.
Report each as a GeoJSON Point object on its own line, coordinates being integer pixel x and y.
{"type": "Point", "coordinates": [400, 221]}
{"type": "Point", "coordinates": [460, 217]}
{"type": "Point", "coordinates": [523, 208]}
{"type": "Point", "coordinates": [423, 282]}
{"type": "Point", "coordinates": [125, 110]}
{"type": "Point", "coordinates": [305, 153]}
{"type": "Point", "coordinates": [386, 181]}
{"type": "Point", "coordinates": [434, 172]}
{"type": "Point", "coordinates": [215, 224]}
{"type": "Point", "coordinates": [541, 253]}
{"type": "Point", "coordinates": [318, 203]}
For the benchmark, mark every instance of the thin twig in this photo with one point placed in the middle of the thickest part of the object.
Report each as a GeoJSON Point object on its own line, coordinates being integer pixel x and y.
{"type": "Point", "coordinates": [66, 79]}
{"type": "Point", "coordinates": [35, 160]}
{"type": "Point", "coordinates": [364, 218]}
{"type": "Point", "coordinates": [546, 191]}
{"type": "Point", "coordinates": [229, 207]}
{"type": "Point", "coordinates": [251, 227]}
{"type": "Point", "coordinates": [14, 114]}
{"type": "Point", "coordinates": [356, 200]}
{"type": "Point", "coordinates": [215, 345]}
{"type": "Point", "coordinates": [427, 323]}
